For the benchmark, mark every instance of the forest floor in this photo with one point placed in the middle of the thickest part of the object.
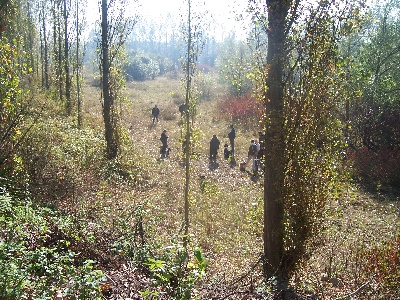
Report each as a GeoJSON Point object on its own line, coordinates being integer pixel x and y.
{"type": "Point", "coordinates": [226, 207]}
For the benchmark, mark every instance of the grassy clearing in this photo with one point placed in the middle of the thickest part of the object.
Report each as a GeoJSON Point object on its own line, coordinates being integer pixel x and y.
{"type": "Point", "coordinates": [226, 204]}
{"type": "Point", "coordinates": [223, 202]}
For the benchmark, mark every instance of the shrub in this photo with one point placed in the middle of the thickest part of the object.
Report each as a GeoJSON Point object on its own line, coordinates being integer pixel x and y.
{"type": "Point", "coordinates": [383, 263]}
{"type": "Point", "coordinates": [142, 66]}
{"type": "Point", "coordinates": [35, 259]}
{"type": "Point", "coordinates": [376, 167]}
{"type": "Point", "coordinates": [244, 110]}
{"type": "Point", "coordinates": [175, 274]}
{"type": "Point", "coordinates": [169, 114]}
{"type": "Point", "coordinates": [56, 154]}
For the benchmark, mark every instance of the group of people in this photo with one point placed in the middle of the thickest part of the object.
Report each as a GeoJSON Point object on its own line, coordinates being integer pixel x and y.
{"type": "Point", "coordinates": [254, 154]}
{"type": "Point", "coordinates": [215, 143]}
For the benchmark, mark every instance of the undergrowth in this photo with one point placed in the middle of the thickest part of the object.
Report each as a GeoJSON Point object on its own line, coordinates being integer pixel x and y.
{"type": "Point", "coordinates": [125, 218]}
{"type": "Point", "coordinates": [36, 261]}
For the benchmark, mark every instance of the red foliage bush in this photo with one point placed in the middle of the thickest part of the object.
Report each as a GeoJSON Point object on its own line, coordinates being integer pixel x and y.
{"type": "Point", "coordinates": [383, 263]}
{"type": "Point", "coordinates": [244, 110]}
{"type": "Point", "coordinates": [374, 167]}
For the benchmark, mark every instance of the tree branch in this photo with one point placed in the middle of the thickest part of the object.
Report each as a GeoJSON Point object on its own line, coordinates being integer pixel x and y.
{"type": "Point", "coordinates": [355, 292]}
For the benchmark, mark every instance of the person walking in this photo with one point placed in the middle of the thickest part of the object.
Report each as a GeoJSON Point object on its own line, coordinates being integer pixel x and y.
{"type": "Point", "coordinates": [232, 136]}
{"type": "Point", "coordinates": [155, 112]}
{"type": "Point", "coordinates": [214, 146]}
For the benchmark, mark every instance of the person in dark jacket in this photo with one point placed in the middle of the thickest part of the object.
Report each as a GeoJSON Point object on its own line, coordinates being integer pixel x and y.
{"type": "Point", "coordinates": [214, 146]}
{"type": "Point", "coordinates": [164, 150]}
{"type": "Point", "coordinates": [155, 113]}
{"type": "Point", "coordinates": [232, 136]}
{"type": "Point", "coordinates": [227, 153]}
{"type": "Point", "coordinates": [182, 108]}
{"type": "Point", "coordinates": [164, 138]}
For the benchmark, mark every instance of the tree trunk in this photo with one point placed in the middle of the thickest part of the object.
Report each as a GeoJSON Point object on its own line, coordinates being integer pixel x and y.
{"type": "Point", "coordinates": [187, 140]}
{"type": "Point", "coordinates": [112, 149]}
{"type": "Point", "coordinates": [68, 105]}
{"type": "Point", "coordinates": [274, 141]}
{"type": "Point", "coordinates": [45, 49]}
{"type": "Point", "coordinates": [78, 66]}
{"type": "Point", "coordinates": [60, 56]}
{"type": "Point", "coordinates": [30, 38]}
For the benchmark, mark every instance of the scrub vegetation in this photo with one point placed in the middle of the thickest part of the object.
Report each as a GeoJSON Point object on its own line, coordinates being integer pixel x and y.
{"type": "Point", "coordinates": [79, 223]}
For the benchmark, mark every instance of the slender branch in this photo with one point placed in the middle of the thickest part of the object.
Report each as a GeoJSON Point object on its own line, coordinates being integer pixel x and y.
{"type": "Point", "coordinates": [355, 292]}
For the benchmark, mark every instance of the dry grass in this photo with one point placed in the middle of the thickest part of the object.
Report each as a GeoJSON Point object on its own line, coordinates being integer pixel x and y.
{"type": "Point", "coordinates": [223, 209]}
{"type": "Point", "coordinates": [226, 205]}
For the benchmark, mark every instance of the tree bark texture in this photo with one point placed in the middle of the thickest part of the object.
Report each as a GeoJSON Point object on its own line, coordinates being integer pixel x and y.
{"type": "Point", "coordinates": [274, 140]}
{"type": "Point", "coordinates": [112, 149]}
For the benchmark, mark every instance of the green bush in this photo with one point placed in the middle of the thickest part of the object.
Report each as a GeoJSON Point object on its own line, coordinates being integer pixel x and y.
{"type": "Point", "coordinates": [56, 155]}
{"type": "Point", "coordinates": [35, 259]}
{"type": "Point", "coordinates": [174, 274]}
{"type": "Point", "coordinates": [142, 66]}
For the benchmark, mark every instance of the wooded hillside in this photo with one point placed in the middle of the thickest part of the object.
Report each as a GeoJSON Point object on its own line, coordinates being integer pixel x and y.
{"type": "Point", "coordinates": [91, 209]}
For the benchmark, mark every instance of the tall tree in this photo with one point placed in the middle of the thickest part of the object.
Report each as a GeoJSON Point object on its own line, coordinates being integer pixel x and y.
{"type": "Point", "coordinates": [193, 36]}
{"type": "Point", "coordinates": [67, 68]}
{"type": "Point", "coordinates": [274, 138]}
{"type": "Point", "coordinates": [115, 28]}
{"type": "Point", "coordinates": [375, 112]}
{"type": "Point", "coordinates": [57, 47]}
{"type": "Point", "coordinates": [15, 99]}
{"type": "Point", "coordinates": [78, 27]}
{"type": "Point", "coordinates": [188, 80]}
{"type": "Point", "coordinates": [110, 134]}
{"type": "Point", "coordinates": [303, 93]}
{"type": "Point", "coordinates": [44, 45]}
{"type": "Point", "coordinates": [235, 66]}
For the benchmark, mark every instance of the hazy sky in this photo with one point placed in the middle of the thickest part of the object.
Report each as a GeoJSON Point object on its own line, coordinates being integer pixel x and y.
{"type": "Point", "coordinates": [222, 12]}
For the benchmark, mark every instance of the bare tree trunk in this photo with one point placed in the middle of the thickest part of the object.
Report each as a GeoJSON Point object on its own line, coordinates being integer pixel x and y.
{"type": "Point", "coordinates": [57, 48]}
{"type": "Point", "coordinates": [187, 141]}
{"type": "Point", "coordinates": [44, 49]}
{"type": "Point", "coordinates": [30, 38]}
{"type": "Point", "coordinates": [68, 105]}
{"type": "Point", "coordinates": [112, 149]}
{"type": "Point", "coordinates": [60, 56]}
{"type": "Point", "coordinates": [274, 141]}
{"type": "Point", "coordinates": [78, 90]}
